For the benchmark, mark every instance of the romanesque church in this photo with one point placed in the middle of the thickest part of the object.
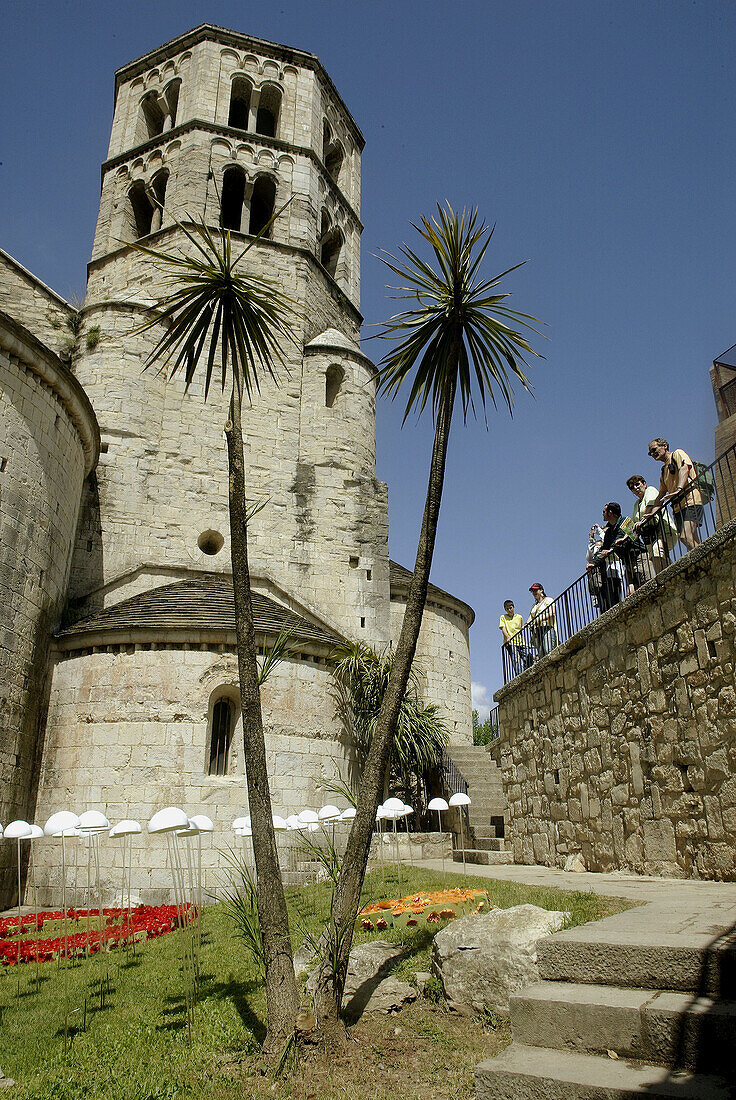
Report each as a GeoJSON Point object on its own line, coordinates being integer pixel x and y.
{"type": "Point", "coordinates": [118, 676]}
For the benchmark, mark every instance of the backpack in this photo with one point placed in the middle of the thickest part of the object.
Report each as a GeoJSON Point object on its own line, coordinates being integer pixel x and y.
{"type": "Point", "coordinates": [704, 481]}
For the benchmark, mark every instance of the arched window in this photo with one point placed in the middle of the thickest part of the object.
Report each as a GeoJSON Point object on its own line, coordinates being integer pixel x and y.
{"type": "Point", "coordinates": [158, 187]}
{"type": "Point", "coordinates": [334, 378]}
{"type": "Point", "coordinates": [330, 251]}
{"type": "Point", "coordinates": [269, 105]}
{"type": "Point", "coordinates": [233, 195]}
{"type": "Point", "coordinates": [153, 115]}
{"type": "Point", "coordinates": [221, 732]}
{"type": "Point", "coordinates": [171, 95]}
{"type": "Point", "coordinates": [326, 138]}
{"type": "Point", "coordinates": [334, 156]}
{"type": "Point", "coordinates": [239, 103]}
{"type": "Point", "coordinates": [262, 203]}
{"type": "Point", "coordinates": [140, 210]}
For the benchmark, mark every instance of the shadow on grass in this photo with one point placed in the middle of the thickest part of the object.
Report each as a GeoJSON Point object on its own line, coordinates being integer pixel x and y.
{"type": "Point", "coordinates": [238, 993]}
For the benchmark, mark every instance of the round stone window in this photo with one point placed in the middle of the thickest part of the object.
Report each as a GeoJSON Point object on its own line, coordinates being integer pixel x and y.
{"type": "Point", "coordinates": [210, 542]}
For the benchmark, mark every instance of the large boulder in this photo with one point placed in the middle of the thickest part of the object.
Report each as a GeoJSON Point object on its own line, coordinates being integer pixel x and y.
{"type": "Point", "coordinates": [482, 959]}
{"type": "Point", "coordinates": [370, 985]}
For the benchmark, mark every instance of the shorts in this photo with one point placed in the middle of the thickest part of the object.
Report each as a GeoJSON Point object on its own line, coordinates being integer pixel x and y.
{"type": "Point", "coordinates": [693, 512]}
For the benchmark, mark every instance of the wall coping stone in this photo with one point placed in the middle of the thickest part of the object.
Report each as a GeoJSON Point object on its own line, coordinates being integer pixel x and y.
{"type": "Point", "coordinates": [649, 591]}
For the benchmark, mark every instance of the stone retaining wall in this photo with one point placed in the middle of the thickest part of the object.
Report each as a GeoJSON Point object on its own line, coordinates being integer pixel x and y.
{"type": "Point", "coordinates": [622, 743]}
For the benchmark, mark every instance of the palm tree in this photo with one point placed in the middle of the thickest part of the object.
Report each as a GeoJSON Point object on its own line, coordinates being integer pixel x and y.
{"type": "Point", "coordinates": [456, 334]}
{"type": "Point", "coordinates": [221, 320]}
{"type": "Point", "coordinates": [361, 677]}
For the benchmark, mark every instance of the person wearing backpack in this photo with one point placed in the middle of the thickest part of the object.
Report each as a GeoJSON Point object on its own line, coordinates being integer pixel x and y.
{"type": "Point", "coordinates": [679, 485]}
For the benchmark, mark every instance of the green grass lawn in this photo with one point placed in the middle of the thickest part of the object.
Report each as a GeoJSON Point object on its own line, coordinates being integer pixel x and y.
{"type": "Point", "coordinates": [137, 1047]}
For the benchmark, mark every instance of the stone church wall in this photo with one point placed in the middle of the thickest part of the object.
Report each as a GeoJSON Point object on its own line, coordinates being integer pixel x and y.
{"type": "Point", "coordinates": [621, 744]}
{"type": "Point", "coordinates": [48, 441]}
{"type": "Point", "coordinates": [443, 658]}
{"type": "Point", "coordinates": [128, 732]}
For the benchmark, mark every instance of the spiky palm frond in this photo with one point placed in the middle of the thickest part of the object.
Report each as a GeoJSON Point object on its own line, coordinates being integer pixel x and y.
{"type": "Point", "coordinates": [281, 649]}
{"type": "Point", "coordinates": [361, 677]}
{"type": "Point", "coordinates": [229, 318]}
{"type": "Point", "coordinates": [457, 327]}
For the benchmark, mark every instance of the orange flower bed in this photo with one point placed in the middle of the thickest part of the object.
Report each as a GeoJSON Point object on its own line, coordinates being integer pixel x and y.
{"type": "Point", "coordinates": [417, 903]}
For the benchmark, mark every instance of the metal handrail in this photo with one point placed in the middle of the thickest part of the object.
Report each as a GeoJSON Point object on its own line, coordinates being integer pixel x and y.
{"type": "Point", "coordinates": [596, 591]}
{"type": "Point", "coordinates": [452, 778]}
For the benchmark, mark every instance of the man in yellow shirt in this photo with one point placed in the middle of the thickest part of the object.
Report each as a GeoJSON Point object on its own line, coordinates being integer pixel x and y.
{"type": "Point", "coordinates": [510, 626]}
{"type": "Point", "coordinates": [678, 471]}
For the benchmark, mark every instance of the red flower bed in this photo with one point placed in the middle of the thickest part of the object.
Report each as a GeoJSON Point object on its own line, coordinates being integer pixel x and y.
{"type": "Point", "coordinates": [146, 922]}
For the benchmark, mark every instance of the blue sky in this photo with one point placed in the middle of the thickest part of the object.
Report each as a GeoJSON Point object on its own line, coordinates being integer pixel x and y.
{"type": "Point", "coordinates": [599, 137]}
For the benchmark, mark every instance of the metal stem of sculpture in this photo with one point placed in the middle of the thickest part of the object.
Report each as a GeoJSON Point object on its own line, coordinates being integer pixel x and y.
{"type": "Point", "coordinates": [439, 804]}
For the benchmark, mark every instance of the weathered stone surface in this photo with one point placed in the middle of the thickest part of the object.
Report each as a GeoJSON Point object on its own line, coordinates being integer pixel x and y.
{"type": "Point", "coordinates": [575, 863]}
{"type": "Point", "coordinates": [370, 986]}
{"type": "Point", "coordinates": [483, 959]}
{"type": "Point", "coordinates": [642, 777]}
{"type": "Point", "coordinates": [130, 712]}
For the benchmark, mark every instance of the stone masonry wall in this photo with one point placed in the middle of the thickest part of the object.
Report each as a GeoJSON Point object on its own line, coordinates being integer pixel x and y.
{"type": "Point", "coordinates": [128, 732]}
{"type": "Point", "coordinates": [42, 467]}
{"type": "Point", "coordinates": [443, 658]}
{"type": "Point", "coordinates": [622, 743]}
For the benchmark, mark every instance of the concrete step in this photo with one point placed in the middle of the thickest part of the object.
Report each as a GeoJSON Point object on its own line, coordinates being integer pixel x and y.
{"type": "Point", "coordinates": [538, 1073]}
{"type": "Point", "coordinates": [604, 953]}
{"type": "Point", "coordinates": [673, 1029]}
{"type": "Point", "coordinates": [489, 843]}
{"type": "Point", "coordinates": [482, 856]}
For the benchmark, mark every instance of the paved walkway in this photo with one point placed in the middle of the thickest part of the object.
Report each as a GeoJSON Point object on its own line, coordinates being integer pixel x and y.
{"type": "Point", "coordinates": [672, 906]}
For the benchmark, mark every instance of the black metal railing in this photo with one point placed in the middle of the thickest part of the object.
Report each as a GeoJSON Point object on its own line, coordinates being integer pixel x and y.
{"type": "Point", "coordinates": [494, 721]}
{"type": "Point", "coordinates": [655, 543]}
{"type": "Point", "coordinates": [453, 779]}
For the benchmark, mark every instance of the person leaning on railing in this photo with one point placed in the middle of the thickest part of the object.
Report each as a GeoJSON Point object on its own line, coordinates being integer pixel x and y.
{"type": "Point", "coordinates": [510, 625]}
{"type": "Point", "coordinates": [542, 621]}
{"type": "Point", "coordinates": [676, 486]}
{"type": "Point", "coordinates": [658, 533]}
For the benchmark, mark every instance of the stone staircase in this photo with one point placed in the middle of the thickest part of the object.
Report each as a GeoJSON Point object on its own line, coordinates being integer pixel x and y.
{"type": "Point", "coordinates": [487, 842]}
{"type": "Point", "coordinates": [623, 1011]}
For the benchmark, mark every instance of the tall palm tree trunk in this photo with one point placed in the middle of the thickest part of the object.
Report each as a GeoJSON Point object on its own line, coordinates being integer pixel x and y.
{"type": "Point", "coordinates": [346, 902]}
{"type": "Point", "coordinates": [281, 993]}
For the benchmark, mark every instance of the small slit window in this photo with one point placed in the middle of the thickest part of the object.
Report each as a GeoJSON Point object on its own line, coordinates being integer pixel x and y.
{"type": "Point", "coordinates": [239, 103]}
{"type": "Point", "coordinates": [262, 204]}
{"type": "Point", "coordinates": [267, 116]}
{"type": "Point", "coordinates": [233, 196]}
{"type": "Point", "coordinates": [334, 378]}
{"type": "Point", "coordinates": [221, 734]}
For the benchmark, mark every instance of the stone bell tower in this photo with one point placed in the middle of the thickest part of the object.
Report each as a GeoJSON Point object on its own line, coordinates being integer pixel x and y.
{"type": "Point", "coordinates": [229, 128]}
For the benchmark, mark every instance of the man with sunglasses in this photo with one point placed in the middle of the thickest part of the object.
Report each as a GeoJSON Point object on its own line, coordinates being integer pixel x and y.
{"type": "Point", "coordinates": [678, 471]}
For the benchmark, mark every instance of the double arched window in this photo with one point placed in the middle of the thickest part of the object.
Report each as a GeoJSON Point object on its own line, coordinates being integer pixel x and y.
{"type": "Point", "coordinates": [145, 205]}
{"type": "Point", "coordinates": [158, 111]}
{"type": "Point", "coordinates": [246, 208]}
{"type": "Point", "coordinates": [245, 101]}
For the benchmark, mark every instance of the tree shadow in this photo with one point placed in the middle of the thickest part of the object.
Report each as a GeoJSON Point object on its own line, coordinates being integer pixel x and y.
{"type": "Point", "coordinates": [703, 1037]}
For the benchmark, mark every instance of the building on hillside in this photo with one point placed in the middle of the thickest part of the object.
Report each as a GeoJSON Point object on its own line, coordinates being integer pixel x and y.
{"type": "Point", "coordinates": [117, 655]}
